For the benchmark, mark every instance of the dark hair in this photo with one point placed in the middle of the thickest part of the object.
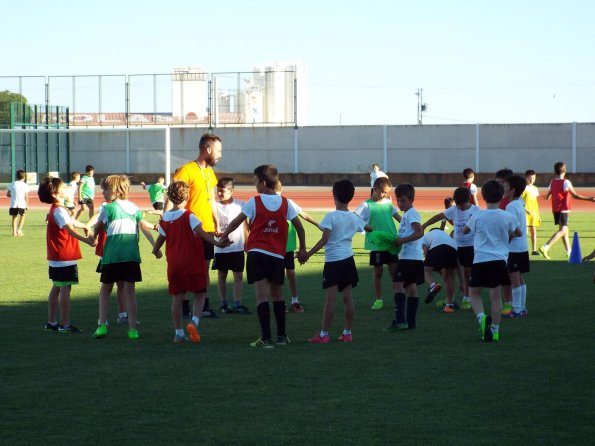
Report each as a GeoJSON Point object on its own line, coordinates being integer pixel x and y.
{"type": "Point", "coordinates": [492, 191]}
{"type": "Point", "coordinates": [207, 140]}
{"type": "Point", "coordinates": [48, 187]}
{"type": "Point", "coordinates": [462, 195]}
{"type": "Point", "coordinates": [225, 182]}
{"type": "Point", "coordinates": [504, 173]}
{"type": "Point", "coordinates": [448, 201]}
{"type": "Point", "coordinates": [529, 172]}
{"type": "Point", "coordinates": [89, 167]}
{"type": "Point", "coordinates": [405, 190]}
{"type": "Point", "coordinates": [468, 172]}
{"type": "Point", "coordinates": [268, 174]}
{"type": "Point", "coordinates": [560, 168]}
{"type": "Point", "coordinates": [21, 174]}
{"type": "Point", "coordinates": [518, 183]}
{"type": "Point", "coordinates": [343, 191]}
{"type": "Point", "coordinates": [381, 183]}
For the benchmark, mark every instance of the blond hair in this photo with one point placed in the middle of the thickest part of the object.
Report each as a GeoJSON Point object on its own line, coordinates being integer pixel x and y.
{"type": "Point", "coordinates": [119, 184]}
{"type": "Point", "coordinates": [178, 192]}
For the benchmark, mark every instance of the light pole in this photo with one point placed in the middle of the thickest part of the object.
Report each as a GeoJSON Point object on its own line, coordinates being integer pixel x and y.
{"type": "Point", "coordinates": [421, 106]}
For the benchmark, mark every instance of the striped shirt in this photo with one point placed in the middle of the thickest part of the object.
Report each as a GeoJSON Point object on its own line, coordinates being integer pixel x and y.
{"type": "Point", "coordinates": [121, 219]}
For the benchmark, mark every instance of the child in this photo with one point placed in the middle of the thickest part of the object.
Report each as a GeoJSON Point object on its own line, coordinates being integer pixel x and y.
{"type": "Point", "coordinates": [120, 218]}
{"type": "Point", "coordinates": [186, 272]}
{"type": "Point", "coordinates": [18, 192]}
{"type": "Point", "coordinates": [378, 212]}
{"type": "Point", "coordinates": [448, 203]}
{"type": "Point", "coordinates": [86, 192]}
{"type": "Point", "coordinates": [469, 176]}
{"type": "Point", "coordinates": [156, 193]}
{"type": "Point", "coordinates": [340, 272]}
{"type": "Point", "coordinates": [560, 190]}
{"type": "Point", "coordinates": [410, 267]}
{"type": "Point", "coordinates": [374, 175]}
{"type": "Point", "coordinates": [518, 258]}
{"type": "Point", "coordinates": [63, 251]}
{"type": "Point", "coordinates": [500, 177]}
{"type": "Point", "coordinates": [288, 261]}
{"type": "Point", "coordinates": [493, 229]}
{"type": "Point", "coordinates": [69, 203]}
{"type": "Point", "coordinates": [268, 213]}
{"type": "Point", "coordinates": [440, 251]}
{"type": "Point", "coordinates": [530, 197]}
{"type": "Point", "coordinates": [230, 258]}
{"type": "Point", "coordinates": [460, 215]}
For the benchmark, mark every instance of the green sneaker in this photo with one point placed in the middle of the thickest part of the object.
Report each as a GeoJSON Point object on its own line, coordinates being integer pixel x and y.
{"type": "Point", "coordinates": [485, 326]}
{"type": "Point", "coordinates": [101, 332]}
{"type": "Point", "coordinates": [496, 336]}
{"type": "Point", "coordinates": [506, 308]}
{"type": "Point", "coordinates": [544, 252]}
{"type": "Point", "coordinates": [441, 303]}
{"type": "Point", "coordinates": [262, 343]}
{"type": "Point", "coordinates": [378, 304]}
{"type": "Point", "coordinates": [133, 333]}
{"type": "Point", "coordinates": [396, 326]}
{"type": "Point", "coordinates": [466, 305]}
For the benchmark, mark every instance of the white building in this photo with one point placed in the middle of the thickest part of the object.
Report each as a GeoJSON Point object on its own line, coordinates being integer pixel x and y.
{"type": "Point", "coordinates": [189, 94]}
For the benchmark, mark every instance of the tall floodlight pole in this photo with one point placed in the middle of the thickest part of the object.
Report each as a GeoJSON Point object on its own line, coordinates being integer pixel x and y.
{"type": "Point", "coordinates": [421, 107]}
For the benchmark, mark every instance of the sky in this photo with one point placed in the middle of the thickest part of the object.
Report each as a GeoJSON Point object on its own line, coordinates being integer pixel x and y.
{"type": "Point", "coordinates": [522, 61]}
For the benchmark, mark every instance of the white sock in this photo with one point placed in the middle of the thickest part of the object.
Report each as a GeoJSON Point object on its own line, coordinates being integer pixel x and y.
{"type": "Point", "coordinates": [495, 328]}
{"type": "Point", "coordinates": [179, 332]}
{"type": "Point", "coordinates": [480, 317]}
{"type": "Point", "coordinates": [466, 299]}
{"type": "Point", "coordinates": [295, 300]}
{"type": "Point", "coordinates": [323, 333]}
{"type": "Point", "coordinates": [517, 297]}
{"type": "Point", "coordinates": [546, 246]}
{"type": "Point", "coordinates": [346, 332]}
{"type": "Point", "coordinates": [196, 320]}
{"type": "Point", "coordinates": [123, 314]}
{"type": "Point", "coordinates": [523, 297]}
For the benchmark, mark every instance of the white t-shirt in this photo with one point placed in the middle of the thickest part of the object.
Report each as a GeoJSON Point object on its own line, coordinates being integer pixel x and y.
{"type": "Point", "coordinates": [174, 215]}
{"type": "Point", "coordinates": [226, 213]}
{"type": "Point", "coordinates": [517, 209]}
{"type": "Point", "coordinates": [62, 218]}
{"type": "Point", "coordinates": [411, 250]}
{"type": "Point", "coordinates": [272, 203]}
{"type": "Point", "coordinates": [375, 175]}
{"type": "Point", "coordinates": [459, 219]}
{"type": "Point", "coordinates": [363, 210]}
{"type": "Point", "coordinates": [436, 237]}
{"type": "Point", "coordinates": [18, 194]}
{"type": "Point", "coordinates": [473, 189]}
{"type": "Point", "coordinates": [72, 189]}
{"type": "Point", "coordinates": [492, 229]}
{"type": "Point", "coordinates": [343, 225]}
{"type": "Point", "coordinates": [567, 185]}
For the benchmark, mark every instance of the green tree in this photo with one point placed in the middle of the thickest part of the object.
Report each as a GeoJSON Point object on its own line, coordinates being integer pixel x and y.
{"type": "Point", "coordinates": [6, 97]}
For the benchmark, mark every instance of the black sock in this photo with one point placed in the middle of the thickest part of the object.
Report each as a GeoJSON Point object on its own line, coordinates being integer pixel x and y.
{"type": "Point", "coordinates": [264, 317]}
{"type": "Point", "coordinates": [399, 307]}
{"type": "Point", "coordinates": [279, 310]}
{"type": "Point", "coordinates": [412, 303]}
{"type": "Point", "coordinates": [185, 306]}
{"type": "Point", "coordinates": [206, 307]}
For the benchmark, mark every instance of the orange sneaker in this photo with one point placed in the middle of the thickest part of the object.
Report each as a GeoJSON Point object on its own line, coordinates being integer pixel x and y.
{"type": "Point", "coordinates": [448, 309]}
{"type": "Point", "coordinates": [193, 332]}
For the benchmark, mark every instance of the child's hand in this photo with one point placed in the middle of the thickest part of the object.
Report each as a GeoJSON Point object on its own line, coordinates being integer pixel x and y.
{"type": "Point", "coordinates": [91, 241]}
{"type": "Point", "coordinates": [398, 242]}
{"type": "Point", "coordinates": [158, 254]}
{"type": "Point", "coordinates": [302, 257]}
{"type": "Point", "coordinates": [223, 242]}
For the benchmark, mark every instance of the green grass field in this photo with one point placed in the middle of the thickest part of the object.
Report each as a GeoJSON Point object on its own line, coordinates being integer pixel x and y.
{"type": "Point", "coordinates": [438, 384]}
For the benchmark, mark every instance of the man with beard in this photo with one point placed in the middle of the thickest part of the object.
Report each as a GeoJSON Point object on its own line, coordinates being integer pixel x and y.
{"type": "Point", "coordinates": [201, 178]}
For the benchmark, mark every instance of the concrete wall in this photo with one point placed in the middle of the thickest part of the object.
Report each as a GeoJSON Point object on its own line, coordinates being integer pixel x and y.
{"type": "Point", "coordinates": [432, 149]}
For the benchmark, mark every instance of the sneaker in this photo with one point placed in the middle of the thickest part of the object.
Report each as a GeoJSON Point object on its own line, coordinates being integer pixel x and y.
{"type": "Point", "coordinates": [448, 309]}
{"type": "Point", "coordinates": [180, 339]}
{"type": "Point", "coordinates": [466, 305]}
{"type": "Point", "coordinates": [378, 304]}
{"type": "Point", "coordinates": [226, 309]}
{"type": "Point", "coordinates": [210, 314]}
{"type": "Point", "coordinates": [496, 336]}
{"type": "Point", "coordinates": [544, 252]}
{"type": "Point", "coordinates": [486, 328]}
{"type": "Point", "coordinates": [440, 303]}
{"type": "Point", "coordinates": [101, 332]}
{"type": "Point", "coordinates": [69, 329]}
{"type": "Point", "coordinates": [297, 307]}
{"type": "Point", "coordinates": [514, 315]}
{"type": "Point", "coordinates": [396, 326]}
{"type": "Point", "coordinates": [192, 330]}
{"type": "Point", "coordinates": [506, 309]}
{"type": "Point", "coordinates": [262, 343]}
{"type": "Point", "coordinates": [122, 320]}
{"type": "Point", "coordinates": [524, 313]}
{"type": "Point", "coordinates": [52, 327]}
{"type": "Point", "coordinates": [316, 339]}
{"type": "Point", "coordinates": [434, 289]}
{"type": "Point", "coordinates": [346, 338]}
{"type": "Point", "coordinates": [283, 340]}
{"type": "Point", "coordinates": [535, 253]}
{"type": "Point", "coordinates": [242, 310]}
{"type": "Point", "coordinates": [133, 333]}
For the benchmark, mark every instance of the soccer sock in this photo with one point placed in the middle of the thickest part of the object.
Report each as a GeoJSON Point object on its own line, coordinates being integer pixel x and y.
{"type": "Point", "coordinates": [523, 297]}
{"type": "Point", "coordinates": [185, 306]}
{"type": "Point", "coordinates": [122, 314]}
{"type": "Point", "coordinates": [412, 303]}
{"type": "Point", "coordinates": [346, 332]}
{"type": "Point", "coordinates": [196, 320]}
{"type": "Point", "coordinates": [179, 332]}
{"type": "Point", "coordinates": [264, 317]}
{"type": "Point", "coordinates": [237, 303]}
{"type": "Point", "coordinates": [546, 246]}
{"type": "Point", "coordinates": [480, 317]}
{"type": "Point", "coordinates": [206, 307]}
{"type": "Point", "coordinates": [323, 333]}
{"type": "Point", "coordinates": [517, 295]}
{"type": "Point", "coordinates": [279, 310]}
{"type": "Point", "coordinates": [466, 299]}
{"type": "Point", "coordinates": [53, 324]}
{"type": "Point", "coordinates": [295, 300]}
{"type": "Point", "coordinates": [495, 328]}
{"type": "Point", "coordinates": [399, 307]}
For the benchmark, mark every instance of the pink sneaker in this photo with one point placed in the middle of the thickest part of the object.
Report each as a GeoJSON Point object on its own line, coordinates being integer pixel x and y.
{"type": "Point", "coordinates": [297, 307]}
{"type": "Point", "coordinates": [346, 338]}
{"type": "Point", "coordinates": [316, 339]}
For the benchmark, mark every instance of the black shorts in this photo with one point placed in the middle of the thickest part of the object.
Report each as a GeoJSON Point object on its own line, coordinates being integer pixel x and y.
{"type": "Point", "coordinates": [98, 269]}
{"type": "Point", "coordinates": [489, 274]}
{"type": "Point", "coordinates": [64, 273]}
{"type": "Point", "coordinates": [561, 218]}
{"type": "Point", "coordinates": [440, 257]}
{"type": "Point", "coordinates": [261, 266]}
{"type": "Point", "coordinates": [86, 201]}
{"type": "Point", "coordinates": [208, 249]}
{"type": "Point", "coordinates": [518, 262]}
{"type": "Point", "coordinates": [379, 258]}
{"type": "Point", "coordinates": [341, 274]}
{"type": "Point", "coordinates": [409, 271]}
{"type": "Point", "coordinates": [465, 255]}
{"type": "Point", "coordinates": [158, 205]}
{"type": "Point", "coordinates": [16, 211]}
{"type": "Point", "coordinates": [121, 271]}
{"type": "Point", "coordinates": [229, 261]}
{"type": "Point", "coordinates": [289, 260]}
